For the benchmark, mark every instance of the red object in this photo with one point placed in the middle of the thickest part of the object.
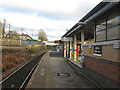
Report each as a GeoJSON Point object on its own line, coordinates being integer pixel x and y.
{"type": "Point", "coordinates": [76, 50]}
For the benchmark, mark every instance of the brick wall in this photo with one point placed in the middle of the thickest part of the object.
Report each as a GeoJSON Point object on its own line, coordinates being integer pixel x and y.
{"type": "Point", "coordinates": [106, 69]}
{"type": "Point", "coordinates": [108, 53]}
{"type": "Point", "coordinates": [107, 65]}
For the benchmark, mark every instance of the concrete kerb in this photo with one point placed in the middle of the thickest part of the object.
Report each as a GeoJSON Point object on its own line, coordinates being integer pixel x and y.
{"type": "Point", "coordinates": [34, 72]}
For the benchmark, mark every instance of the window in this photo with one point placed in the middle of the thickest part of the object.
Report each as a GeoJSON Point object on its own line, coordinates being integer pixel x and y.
{"type": "Point", "coordinates": [100, 36]}
{"type": "Point", "coordinates": [108, 28]}
{"type": "Point", "coordinates": [113, 20]}
{"type": "Point", "coordinates": [101, 30]}
{"type": "Point", "coordinates": [113, 33]}
{"type": "Point", "coordinates": [100, 25]}
{"type": "Point", "coordinates": [113, 26]}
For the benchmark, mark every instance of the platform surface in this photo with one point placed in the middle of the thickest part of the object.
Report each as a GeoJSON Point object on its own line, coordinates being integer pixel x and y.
{"type": "Point", "coordinates": [54, 72]}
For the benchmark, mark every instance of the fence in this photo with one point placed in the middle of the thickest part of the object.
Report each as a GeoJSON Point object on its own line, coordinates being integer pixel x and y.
{"type": "Point", "coordinates": [14, 42]}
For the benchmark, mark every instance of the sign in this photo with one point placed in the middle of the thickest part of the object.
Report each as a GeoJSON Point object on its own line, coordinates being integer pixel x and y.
{"type": "Point", "coordinates": [98, 50]}
{"type": "Point", "coordinates": [66, 39]}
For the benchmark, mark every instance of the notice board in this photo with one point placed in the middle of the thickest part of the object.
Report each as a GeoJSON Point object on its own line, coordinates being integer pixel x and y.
{"type": "Point", "coordinates": [98, 50]}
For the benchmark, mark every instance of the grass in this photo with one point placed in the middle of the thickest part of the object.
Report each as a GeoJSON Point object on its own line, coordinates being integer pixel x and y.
{"type": "Point", "coordinates": [13, 56]}
{"type": "Point", "coordinates": [10, 60]}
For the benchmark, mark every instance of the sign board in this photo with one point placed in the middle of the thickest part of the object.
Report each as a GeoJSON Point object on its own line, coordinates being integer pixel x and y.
{"type": "Point", "coordinates": [66, 39]}
{"type": "Point", "coordinates": [98, 50]}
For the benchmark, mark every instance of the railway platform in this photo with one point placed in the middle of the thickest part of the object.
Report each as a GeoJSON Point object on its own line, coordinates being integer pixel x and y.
{"type": "Point", "coordinates": [54, 71]}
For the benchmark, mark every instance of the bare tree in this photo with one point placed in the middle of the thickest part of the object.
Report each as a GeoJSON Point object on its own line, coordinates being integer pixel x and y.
{"type": "Point", "coordinates": [14, 34]}
{"type": "Point", "coordinates": [1, 29]}
{"type": "Point", "coordinates": [42, 35]}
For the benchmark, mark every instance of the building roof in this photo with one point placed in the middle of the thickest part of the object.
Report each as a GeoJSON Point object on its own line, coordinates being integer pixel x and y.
{"type": "Point", "coordinates": [95, 12]}
{"type": "Point", "coordinates": [26, 35]}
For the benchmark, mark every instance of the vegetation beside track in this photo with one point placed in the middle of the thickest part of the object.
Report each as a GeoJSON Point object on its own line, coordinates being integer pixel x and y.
{"type": "Point", "coordinates": [14, 57]}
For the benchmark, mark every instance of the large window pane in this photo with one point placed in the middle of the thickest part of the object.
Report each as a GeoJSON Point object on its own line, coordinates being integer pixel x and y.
{"type": "Point", "coordinates": [101, 25]}
{"type": "Point", "coordinates": [113, 33]}
{"type": "Point", "coordinates": [101, 30]}
{"type": "Point", "coordinates": [100, 36]}
{"type": "Point", "coordinates": [113, 20]}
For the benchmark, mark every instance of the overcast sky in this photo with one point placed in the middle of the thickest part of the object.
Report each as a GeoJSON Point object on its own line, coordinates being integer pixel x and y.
{"type": "Point", "coordinates": [54, 16]}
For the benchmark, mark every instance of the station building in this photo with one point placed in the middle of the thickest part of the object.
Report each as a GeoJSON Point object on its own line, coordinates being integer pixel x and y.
{"type": "Point", "coordinates": [96, 38]}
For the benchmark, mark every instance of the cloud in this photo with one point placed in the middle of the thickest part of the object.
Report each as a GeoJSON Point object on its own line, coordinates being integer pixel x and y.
{"type": "Point", "coordinates": [54, 16]}
{"type": "Point", "coordinates": [66, 9]}
{"type": "Point", "coordinates": [35, 22]}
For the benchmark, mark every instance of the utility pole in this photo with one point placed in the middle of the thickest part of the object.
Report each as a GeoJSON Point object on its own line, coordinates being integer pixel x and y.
{"type": "Point", "coordinates": [3, 32]}
{"type": "Point", "coordinates": [21, 37]}
{"type": "Point", "coordinates": [9, 30]}
{"type": "Point", "coordinates": [22, 30]}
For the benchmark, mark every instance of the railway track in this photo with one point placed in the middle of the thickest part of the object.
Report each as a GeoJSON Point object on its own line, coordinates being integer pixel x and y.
{"type": "Point", "coordinates": [19, 78]}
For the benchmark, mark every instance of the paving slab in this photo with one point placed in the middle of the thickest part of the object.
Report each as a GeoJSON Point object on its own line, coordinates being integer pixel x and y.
{"type": "Point", "coordinates": [54, 71]}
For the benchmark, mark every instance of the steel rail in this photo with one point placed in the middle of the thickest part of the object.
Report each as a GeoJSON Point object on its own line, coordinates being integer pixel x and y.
{"type": "Point", "coordinates": [28, 76]}
{"type": "Point", "coordinates": [22, 74]}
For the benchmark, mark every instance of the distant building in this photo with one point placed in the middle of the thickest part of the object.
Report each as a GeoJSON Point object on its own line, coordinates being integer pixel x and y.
{"type": "Point", "coordinates": [25, 37]}
{"type": "Point", "coordinates": [12, 34]}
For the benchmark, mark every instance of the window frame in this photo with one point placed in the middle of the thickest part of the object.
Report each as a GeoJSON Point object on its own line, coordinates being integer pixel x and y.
{"type": "Point", "coordinates": [106, 29]}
